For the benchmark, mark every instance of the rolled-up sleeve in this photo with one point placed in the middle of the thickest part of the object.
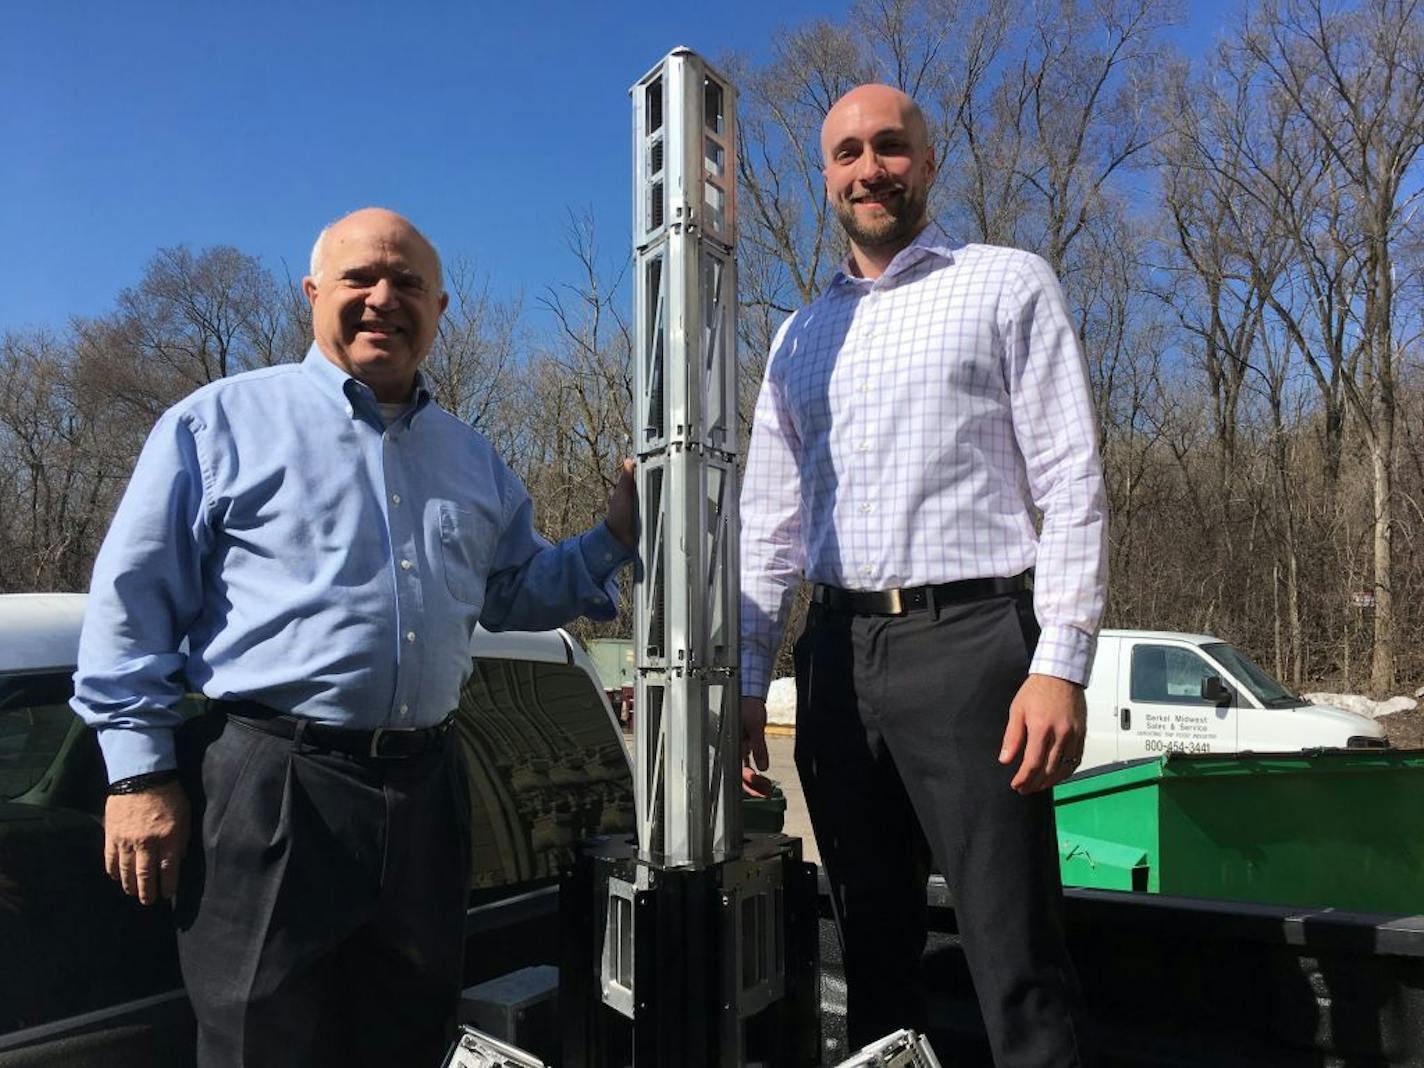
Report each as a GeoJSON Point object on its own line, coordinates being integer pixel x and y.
{"type": "Point", "coordinates": [536, 585]}
{"type": "Point", "coordinates": [145, 592]}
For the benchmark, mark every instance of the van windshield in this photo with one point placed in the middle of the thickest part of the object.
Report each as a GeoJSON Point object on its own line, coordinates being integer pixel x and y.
{"type": "Point", "coordinates": [1267, 690]}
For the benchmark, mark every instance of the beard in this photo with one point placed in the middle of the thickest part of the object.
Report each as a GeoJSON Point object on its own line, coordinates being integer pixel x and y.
{"type": "Point", "coordinates": [904, 215]}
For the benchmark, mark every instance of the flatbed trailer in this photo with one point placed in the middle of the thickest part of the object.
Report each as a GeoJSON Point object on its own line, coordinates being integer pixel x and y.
{"type": "Point", "coordinates": [1175, 981]}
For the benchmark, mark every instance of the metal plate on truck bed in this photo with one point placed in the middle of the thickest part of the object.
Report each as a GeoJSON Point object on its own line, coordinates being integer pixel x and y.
{"type": "Point", "coordinates": [903, 1049]}
{"type": "Point", "coordinates": [475, 1049]}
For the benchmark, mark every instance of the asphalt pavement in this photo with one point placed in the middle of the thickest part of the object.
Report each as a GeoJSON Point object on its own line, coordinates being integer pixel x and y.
{"type": "Point", "coordinates": [780, 747]}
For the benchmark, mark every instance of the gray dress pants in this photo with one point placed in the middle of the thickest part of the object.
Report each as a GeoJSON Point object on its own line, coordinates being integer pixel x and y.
{"type": "Point", "coordinates": [321, 906]}
{"type": "Point", "coordinates": [899, 724]}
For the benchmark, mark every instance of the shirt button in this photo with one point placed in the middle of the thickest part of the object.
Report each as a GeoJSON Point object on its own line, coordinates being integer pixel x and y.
{"type": "Point", "coordinates": [864, 446]}
{"type": "Point", "coordinates": [866, 569]}
{"type": "Point", "coordinates": [405, 710]}
{"type": "Point", "coordinates": [406, 565]}
{"type": "Point", "coordinates": [410, 635]}
{"type": "Point", "coordinates": [395, 498]}
{"type": "Point", "coordinates": [864, 507]}
{"type": "Point", "coordinates": [349, 410]}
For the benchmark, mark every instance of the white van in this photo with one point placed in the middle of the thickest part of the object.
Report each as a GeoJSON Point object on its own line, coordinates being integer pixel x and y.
{"type": "Point", "coordinates": [1154, 692]}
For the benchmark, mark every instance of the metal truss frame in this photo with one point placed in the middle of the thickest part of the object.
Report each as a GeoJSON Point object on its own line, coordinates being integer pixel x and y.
{"type": "Point", "coordinates": [685, 421]}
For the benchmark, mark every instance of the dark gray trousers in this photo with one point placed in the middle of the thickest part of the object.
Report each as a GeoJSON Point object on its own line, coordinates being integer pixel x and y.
{"type": "Point", "coordinates": [899, 724]}
{"type": "Point", "coordinates": [321, 906]}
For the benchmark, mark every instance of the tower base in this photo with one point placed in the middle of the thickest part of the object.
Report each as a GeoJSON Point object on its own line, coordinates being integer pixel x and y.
{"type": "Point", "coordinates": [714, 967]}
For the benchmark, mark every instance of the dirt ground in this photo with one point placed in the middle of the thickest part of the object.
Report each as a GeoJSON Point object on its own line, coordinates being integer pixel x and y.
{"type": "Point", "coordinates": [1405, 729]}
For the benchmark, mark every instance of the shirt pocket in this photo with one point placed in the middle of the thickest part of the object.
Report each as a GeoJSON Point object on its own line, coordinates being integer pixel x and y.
{"type": "Point", "coordinates": [467, 543]}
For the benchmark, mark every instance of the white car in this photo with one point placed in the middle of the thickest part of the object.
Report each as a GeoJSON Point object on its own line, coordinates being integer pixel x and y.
{"type": "Point", "coordinates": [87, 973]}
{"type": "Point", "coordinates": [1154, 692]}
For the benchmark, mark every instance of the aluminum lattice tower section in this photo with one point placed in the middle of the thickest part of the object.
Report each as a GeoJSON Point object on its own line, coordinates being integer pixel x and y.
{"type": "Point", "coordinates": [685, 420]}
{"type": "Point", "coordinates": [690, 946]}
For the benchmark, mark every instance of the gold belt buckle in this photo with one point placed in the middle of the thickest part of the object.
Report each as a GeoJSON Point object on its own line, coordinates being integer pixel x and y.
{"type": "Point", "coordinates": [897, 607]}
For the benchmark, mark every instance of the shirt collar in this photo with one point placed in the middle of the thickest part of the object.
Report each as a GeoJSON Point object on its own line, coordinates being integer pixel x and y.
{"type": "Point", "coordinates": [351, 394]}
{"type": "Point", "coordinates": [931, 241]}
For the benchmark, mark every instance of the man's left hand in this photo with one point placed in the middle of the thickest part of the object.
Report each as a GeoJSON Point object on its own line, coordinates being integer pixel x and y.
{"type": "Point", "coordinates": [622, 520]}
{"type": "Point", "coordinates": [1048, 724]}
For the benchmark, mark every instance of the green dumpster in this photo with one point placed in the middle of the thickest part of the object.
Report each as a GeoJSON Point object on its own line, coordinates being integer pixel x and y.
{"type": "Point", "coordinates": [1329, 828]}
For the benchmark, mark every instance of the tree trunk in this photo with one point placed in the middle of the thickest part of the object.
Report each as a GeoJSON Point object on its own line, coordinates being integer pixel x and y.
{"type": "Point", "coordinates": [1382, 658]}
{"type": "Point", "coordinates": [1297, 643]}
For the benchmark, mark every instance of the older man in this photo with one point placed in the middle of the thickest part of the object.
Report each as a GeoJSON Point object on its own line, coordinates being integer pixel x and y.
{"type": "Point", "coordinates": [324, 539]}
{"type": "Point", "coordinates": [912, 420]}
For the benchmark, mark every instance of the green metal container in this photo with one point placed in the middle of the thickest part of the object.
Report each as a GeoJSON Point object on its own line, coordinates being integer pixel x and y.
{"type": "Point", "coordinates": [1332, 828]}
{"type": "Point", "coordinates": [764, 815]}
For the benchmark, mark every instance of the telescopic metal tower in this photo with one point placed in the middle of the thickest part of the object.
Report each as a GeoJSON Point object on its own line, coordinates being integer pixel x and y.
{"type": "Point", "coordinates": [693, 945]}
{"type": "Point", "coordinates": [685, 419]}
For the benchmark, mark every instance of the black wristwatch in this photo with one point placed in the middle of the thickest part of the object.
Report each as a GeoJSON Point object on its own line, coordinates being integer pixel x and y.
{"type": "Point", "coordinates": [137, 784]}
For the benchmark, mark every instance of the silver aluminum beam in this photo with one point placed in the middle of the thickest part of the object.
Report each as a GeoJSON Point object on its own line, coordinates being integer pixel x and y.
{"type": "Point", "coordinates": [685, 606]}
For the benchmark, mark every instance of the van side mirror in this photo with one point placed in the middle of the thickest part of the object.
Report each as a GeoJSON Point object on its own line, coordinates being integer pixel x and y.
{"type": "Point", "coordinates": [1215, 691]}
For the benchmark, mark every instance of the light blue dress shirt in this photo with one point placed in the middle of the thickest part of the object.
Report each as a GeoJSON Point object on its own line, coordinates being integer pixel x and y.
{"type": "Point", "coordinates": [315, 561]}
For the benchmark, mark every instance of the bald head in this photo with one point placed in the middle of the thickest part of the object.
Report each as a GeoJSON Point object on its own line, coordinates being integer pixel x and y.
{"type": "Point", "coordinates": [878, 101]}
{"type": "Point", "coordinates": [376, 296]}
{"type": "Point", "coordinates": [879, 169]}
{"type": "Point", "coordinates": [365, 217]}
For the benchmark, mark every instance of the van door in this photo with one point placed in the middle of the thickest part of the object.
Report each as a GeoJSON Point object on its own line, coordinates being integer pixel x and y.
{"type": "Point", "coordinates": [1164, 710]}
{"type": "Point", "coordinates": [1100, 746]}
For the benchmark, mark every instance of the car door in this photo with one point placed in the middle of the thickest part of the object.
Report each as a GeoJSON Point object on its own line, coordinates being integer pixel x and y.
{"type": "Point", "coordinates": [83, 965]}
{"type": "Point", "coordinates": [73, 942]}
{"type": "Point", "coordinates": [1163, 710]}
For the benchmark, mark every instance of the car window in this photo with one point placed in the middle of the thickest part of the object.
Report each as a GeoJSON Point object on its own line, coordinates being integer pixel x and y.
{"type": "Point", "coordinates": [40, 733]}
{"type": "Point", "coordinates": [1168, 674]}
{"type": "Point", "coordinates": [35, 720]}
{"type": "Point", "coordinates": [1267, 690]}
{"type": "Point", "coordinates": [547, 768]}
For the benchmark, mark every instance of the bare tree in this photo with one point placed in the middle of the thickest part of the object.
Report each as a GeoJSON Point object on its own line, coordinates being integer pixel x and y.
{"type": "Point", "coordinates": [1042, 146]}
{"type": "Point", "coordinates": [576, 399]}
{"type": "Point", "coordinates": [1357, 78]}
{"type": "Point", "coordinates": [471, 366]}
{"type": "Point", "coordinates": [197, 316]}
{"type": "Point", "coordinates": [59, 480]}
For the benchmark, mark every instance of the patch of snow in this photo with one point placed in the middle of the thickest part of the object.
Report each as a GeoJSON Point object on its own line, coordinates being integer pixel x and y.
{"type": "Point", "coordinates": [1365, 706]}
{"type": "Point", "coordinates": [781, 702]}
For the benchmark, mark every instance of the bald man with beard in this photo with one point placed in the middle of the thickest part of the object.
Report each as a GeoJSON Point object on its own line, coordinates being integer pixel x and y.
{"type": "Point", "coordinates": [311, 546]}
{"type": "Point", "coordinates": [913, 421]}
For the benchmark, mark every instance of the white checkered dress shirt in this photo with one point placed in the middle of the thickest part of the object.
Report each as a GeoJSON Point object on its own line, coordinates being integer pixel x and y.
{"type": "Point", "coordinates": [906, 430]}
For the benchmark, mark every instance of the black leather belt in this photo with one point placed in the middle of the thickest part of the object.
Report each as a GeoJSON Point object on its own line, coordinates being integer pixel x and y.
{"type": "Point", "coordinates": [908, 599]}
{"type": "Point", "coordinates": [390, 743]}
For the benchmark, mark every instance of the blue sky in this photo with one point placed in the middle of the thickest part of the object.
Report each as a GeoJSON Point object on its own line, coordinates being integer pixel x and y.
{"type": "Point", "coordinates": [128, 126]}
